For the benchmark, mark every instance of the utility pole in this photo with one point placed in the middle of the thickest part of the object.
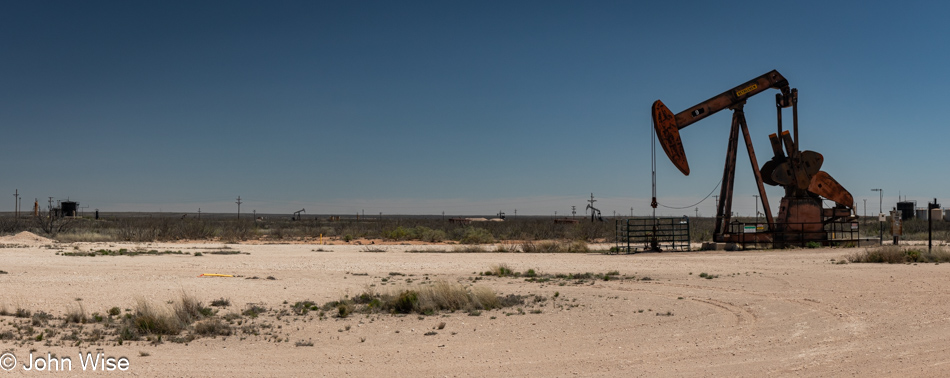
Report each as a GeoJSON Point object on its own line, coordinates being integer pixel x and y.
{"type": "Point", "coordinates": [930, 224]}
{"type": "Point", "coordinates": [631, 212]}
{"type": "Point", "coordinates": [697, 212]}
{"type": "Point", "coordinates": [239, 206]}
{"type": "Point", "coordinates": [50, 209]}
{"type": "Point", "coordinates": [880, 210]}
{"type": "Point", "coordinates": [756, 209]}
{"type": "Point", "coordinates": [573, 211]}
{"type": "Point", "coordinates": [199, 213]}
{"type": "Point", "coordinates": [591, 205]}
{"type": "Point", "coordinates": [717, 203]}
{"type": "Point", "coordinates": [16, 203]}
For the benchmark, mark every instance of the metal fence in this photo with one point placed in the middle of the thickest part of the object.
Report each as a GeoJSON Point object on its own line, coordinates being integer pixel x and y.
{"type": "Point", "coordinates": [804, 234]}
{"type": "Point", "coordinates": [652, 234]}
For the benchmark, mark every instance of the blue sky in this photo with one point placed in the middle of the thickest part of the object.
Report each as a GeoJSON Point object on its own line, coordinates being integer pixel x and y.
{"type": "Point", "coordinates": [462, 107]}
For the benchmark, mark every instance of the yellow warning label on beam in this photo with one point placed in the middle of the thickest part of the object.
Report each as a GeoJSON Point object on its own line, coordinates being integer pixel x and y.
{"type": "Point", "coordinates": [746, 89]}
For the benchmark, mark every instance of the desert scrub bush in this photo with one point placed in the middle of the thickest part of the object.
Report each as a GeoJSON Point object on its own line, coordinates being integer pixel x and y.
{"type": "Point", "coordinates": [553, 246]}
{"type": "Point", "coordinates": [195, 229]}
{"type": "Point", "coordinates": [253, 311]}
{"type": "Point", "coordinates": [893, 254]}
{"type": "Point", "coordinates": [469, 248]}
{"type": "Point", "coordinates": [429, 235]}
{"type": "Point", "coordinates": [404, 302]}
{"type": "Point", "coordinates": [152, 319]}
{"type": "Point", "coordinates": [399, 233]}
{"type": "Point", "coordinates": [221, 302]}
{"type": "Point", "coordinates": [472, 235]}
{"type": "Point", "coordinates": [506, 247]}
{"type": "Point", "coordinates": [424, 299]}
{"type": "Point", "coordinates": [40, 319]}
{"type": "Point", "coordinates": [188, 309]}
{"type": "Point", "coordinates": [343, 309]}
{"type": "Point", "coordinates": [304, 307]}
{"type": "Point", "coordinates": [212, 327]}
{"type": "Point", "coordinates": [500, 270]}
{"type": "Point", "coordinates": [83, 236]}
{"type": "Point", "coordinates": [122, 252]}
{"type": "Point", "coordinates": [76, 315]}
{"type": "Point", "coordinates": [237, 230]}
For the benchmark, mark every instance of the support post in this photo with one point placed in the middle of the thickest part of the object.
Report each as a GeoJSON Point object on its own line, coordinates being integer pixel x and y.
{"type": "Point", "coordinates": [755, 168]}
{"type": "Point", "coordinates": [724, 210]}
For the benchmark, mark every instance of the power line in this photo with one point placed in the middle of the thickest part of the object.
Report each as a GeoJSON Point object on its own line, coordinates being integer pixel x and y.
{"type": "Point", "coordinates": [697, 203]}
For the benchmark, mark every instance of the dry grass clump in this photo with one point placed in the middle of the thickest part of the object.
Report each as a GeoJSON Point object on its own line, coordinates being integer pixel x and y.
{"type": "Point", "coordinates": [212, 327]}
{"type": "Point", "coordinates": [444, 296]}
{"type": "Point", "coordinates": [893, 254]}
{"type": "Point", "coordinates": [188, 309]}
{"type": "Point", "coordinates": [500, 270]}
{"type": "Point", "coordinates": [469, 248]}
{"type": "Point", "coordinates": [83, 236]}
{"type": "Point", "coordinates": [149, 318]}
{"type": "Point", "coordinates": [152, 319]}
{"type": "Point", "coordinates": [553, 246]}
{"type": "Point", "coordinates": [76, 315]}
{"type": "Point", "coordinates": [424, 299]}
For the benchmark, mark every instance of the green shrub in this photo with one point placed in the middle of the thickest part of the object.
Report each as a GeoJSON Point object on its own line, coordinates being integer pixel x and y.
{"type": "Point", "coordinates": [501, 270]}
{"type": "Point", "coordinates": [398, 233]}
{"type": "Point", "coordinates": [429, 235]}
{"type": "Point", "coordinates": [472, 235]}
{"type": "Point", "coordinates": [405, 302]}
{"type": "Point", "coordinates": [343, 310]}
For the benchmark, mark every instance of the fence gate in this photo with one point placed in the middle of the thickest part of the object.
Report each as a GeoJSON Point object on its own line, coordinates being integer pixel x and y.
{"type": "Point", "coordinates": [652, 234]}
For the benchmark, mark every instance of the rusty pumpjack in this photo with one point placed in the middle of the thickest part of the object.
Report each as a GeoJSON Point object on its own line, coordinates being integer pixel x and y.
{"type": "Point", "coordinates": [801, 217]}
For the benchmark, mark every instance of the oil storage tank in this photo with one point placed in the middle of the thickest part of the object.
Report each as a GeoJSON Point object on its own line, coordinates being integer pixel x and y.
{"type": "Point", "coordinates": [907, 209]}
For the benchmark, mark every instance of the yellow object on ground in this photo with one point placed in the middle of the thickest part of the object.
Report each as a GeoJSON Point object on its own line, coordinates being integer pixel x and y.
{"type": "Point", "coordinates": [215, 275]}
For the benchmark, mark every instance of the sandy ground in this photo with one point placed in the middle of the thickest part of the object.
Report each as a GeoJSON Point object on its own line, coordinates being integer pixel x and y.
{"type": "Point", "coordinates": [776, 313]}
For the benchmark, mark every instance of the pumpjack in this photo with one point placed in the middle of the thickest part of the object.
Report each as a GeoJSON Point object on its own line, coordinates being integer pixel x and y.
{"type": "Point", "coordinates": [801, 217]}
